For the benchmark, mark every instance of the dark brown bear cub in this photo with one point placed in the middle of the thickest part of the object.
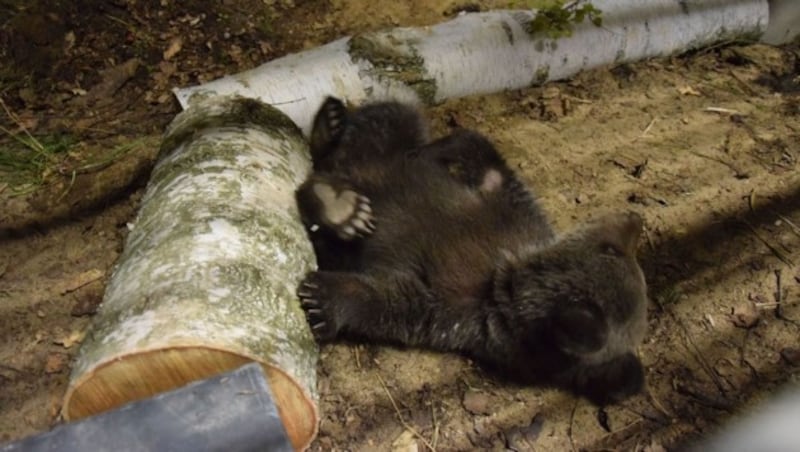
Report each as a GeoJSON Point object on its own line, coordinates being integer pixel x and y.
{"type": "Point", "coordinates": [439, 245]}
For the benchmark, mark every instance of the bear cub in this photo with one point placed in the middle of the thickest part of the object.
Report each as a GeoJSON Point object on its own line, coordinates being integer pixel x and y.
{"type": "Point", "coordinates": [438, 244]}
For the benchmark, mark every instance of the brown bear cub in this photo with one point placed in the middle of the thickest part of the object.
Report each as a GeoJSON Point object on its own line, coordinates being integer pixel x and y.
{"type": "Point", "coordinates": [439, 245]}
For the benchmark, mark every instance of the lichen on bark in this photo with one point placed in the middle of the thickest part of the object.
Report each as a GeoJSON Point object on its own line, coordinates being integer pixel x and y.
{"type": "Point", "coordinates": [395, 59]}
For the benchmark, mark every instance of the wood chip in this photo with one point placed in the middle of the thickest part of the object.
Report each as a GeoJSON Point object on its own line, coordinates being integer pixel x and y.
{"type": "Point", "coordinates": [723, 111]}
{"type": "Point", "coordinates": [56, 362]}
{"type": "Point", "coordinates": [67, 341]}
{"type": "Point", "coordinates": [175, 46]}
{"type": "Point", "coordinates": [654, 446]}
{"type": "Point", "coordinates": [745, 315]}
{"type": "Point", "coordinates": [406, 442]}
{"type": "Point", "coordinates": [688, 91]}
{"type": "Point", "coordinates": [112, 80]}
{"type": "Point", "coordinates": [477, 403]}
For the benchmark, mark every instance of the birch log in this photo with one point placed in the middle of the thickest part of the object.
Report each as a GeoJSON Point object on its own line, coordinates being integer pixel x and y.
{"type": "Point", "coordinates": [207, 278]}
{"type": "Point", "coordinates": [784, 22]}
{"type": "Point", "coordinates": [481, 53]}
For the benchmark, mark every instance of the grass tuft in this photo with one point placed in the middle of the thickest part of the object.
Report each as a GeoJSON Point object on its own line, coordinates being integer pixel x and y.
{"type": "Point", "coordinates": [28, 162]}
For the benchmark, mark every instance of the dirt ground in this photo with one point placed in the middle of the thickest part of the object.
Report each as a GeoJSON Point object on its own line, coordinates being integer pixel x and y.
{"type": "Point", "coordinates": [705, 146]}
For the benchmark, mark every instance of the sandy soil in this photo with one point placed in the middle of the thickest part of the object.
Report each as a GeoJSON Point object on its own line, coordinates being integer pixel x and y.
{"type": "Point", "coordinates": [704, 146]}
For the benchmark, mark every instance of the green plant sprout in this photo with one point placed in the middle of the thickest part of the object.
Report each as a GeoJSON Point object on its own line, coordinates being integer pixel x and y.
{"type": "Point", "coordinates": [557, 19]}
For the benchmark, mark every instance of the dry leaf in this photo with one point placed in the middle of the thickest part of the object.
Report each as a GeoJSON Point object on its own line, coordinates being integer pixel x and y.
{"type": "Point", "coordinates": [76, 337]}
{"type": "Point", "coordinates": [477, 403]}
{"type": "Point", "coordinates": [55, 406]}
{"type": "Point", "coordinates": [112, 80]}
{"type": "Point", "coordinates": [167, 69]}
{"type": "Point", "coordinates": [69, 40]}
{"type": "Point", "coordinates": [174, 47]}
{"type": "Point", "coordinates": [791, 355]}
{"type": "Point", "coordinates": [745, 315]}
{"type": "Point", "coordinates": [25, 122]}
{"type": "Point", "coordinates": [56, 362]}
{"type": "Point", "coordinates": [688, 91]}
{"type": "Point", "coordinates": [654, 446]}
{"type": "Point", "coordinates": [406, 442]}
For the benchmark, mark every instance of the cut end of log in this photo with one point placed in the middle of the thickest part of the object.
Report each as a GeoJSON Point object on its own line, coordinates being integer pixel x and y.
{"type": "Point", "coordinates": [143, 374]}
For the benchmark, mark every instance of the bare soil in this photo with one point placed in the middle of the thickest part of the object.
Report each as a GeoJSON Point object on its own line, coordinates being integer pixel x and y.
{"type": "Point", "coordinates": [705, 146]}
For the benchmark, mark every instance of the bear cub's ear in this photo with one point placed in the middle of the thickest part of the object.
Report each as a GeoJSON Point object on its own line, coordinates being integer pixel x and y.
{"type": "Point", "coordinates": [580, 327]}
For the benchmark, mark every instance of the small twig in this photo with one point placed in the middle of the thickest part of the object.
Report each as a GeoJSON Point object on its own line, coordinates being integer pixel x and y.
{"type": "Point", "coordinates": [435, 434]}
{"type": "Point", "coordinates": [646, 130]}
{"type": "Point", "coordinates": [695, 351]}
{"type": "Point", "coordinates": [93, 167]}
{"type": "Point", "coordinates": [357, 356]}
{"type": "Point", "coordinates": [66, 190]}
{"type": "Point", "coordinates": [737, 173]}
{"type": "Point", "coordinates": [649, 126]}
{"type": "Point", "coordinates": [725, 43]}
{"type": "Point", "coordinates": [772, 248]}
{"type": "Point", "coordinates": [703, 399]}
{"type": "Point", "coordinates": [778, 294]}
{"type": "Point", "coordinates": [630, 426]}
{"type": "Point", "coordinates": [299, 99]}
{"type": "Point", "coordinates": [399, 415]}
{"type": "Point", "coordinates": [751, 200]}
{"type": "Point", "coordinates": [744, 84]}
{"type": "Point", "coordinates": [724, 111]}
{"type": "Point", "coordinates": [779, 299]}
{"type": "Point", "coordinates": [656, 404]}
{"type": "Point", "coordinates": [571, 423]}
{"type": "Point", "coordinates": [793, 226]}
{"type": "Point", "coordinates": [660, 418]}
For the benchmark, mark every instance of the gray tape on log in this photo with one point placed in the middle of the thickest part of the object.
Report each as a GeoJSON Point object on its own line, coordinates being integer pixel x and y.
{"type": "Point", "coordinates": [230, 412]}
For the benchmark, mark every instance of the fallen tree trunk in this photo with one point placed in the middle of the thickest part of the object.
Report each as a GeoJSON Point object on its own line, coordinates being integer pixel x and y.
{"type": "Point", "coordinates": [207, 278]}
{"type": "Point", "coordinates": [483, 53]}
{"type": "Point", "coordinates": [784, 22]}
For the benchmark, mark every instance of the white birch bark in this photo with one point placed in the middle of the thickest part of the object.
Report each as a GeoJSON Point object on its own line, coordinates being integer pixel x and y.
{"type": "Point", "coordinates": [208, 274]}
{"type": "Point", "coordinates": [482, 53]}
{"type": "Point", "coordinates": [784, 22]}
